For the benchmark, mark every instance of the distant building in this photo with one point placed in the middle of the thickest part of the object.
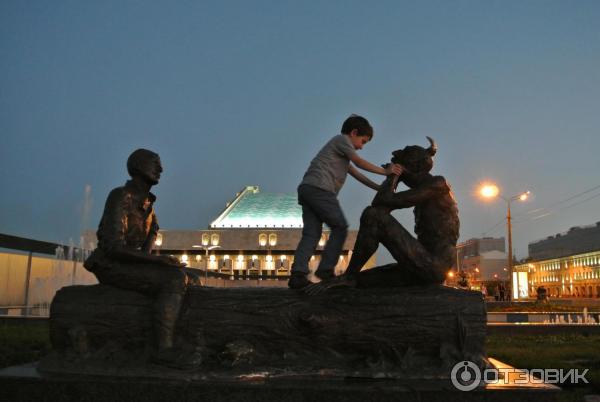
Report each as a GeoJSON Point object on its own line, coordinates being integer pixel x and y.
{"type": "Point", "coordinates": [577, 240]}
{"type": "Point", "coordinates": [566, 264]}
{"type": "Point", "coordinates": [255, 236]}
{"type": "Point", "coordinates": [487, 266]}
{"type": "Point", "coordinates": [477, 246]}
{"type": "Point", "coordinates": [577, 275]}
{"type": "Point", "coordinates": [484, 259]}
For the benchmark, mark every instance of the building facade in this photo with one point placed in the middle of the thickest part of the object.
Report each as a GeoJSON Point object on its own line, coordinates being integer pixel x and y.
{"type": "Point", "coordinates": [566, 264]}
{"type": "Point", "coordinates": [576, 275]}
{"type": "Point", "coordinates": [255, 236]}
{"type": "Point", "coordinates": [476, 246]}
{"type": "Point", "coordinates": [482, 260]}
{"type": "Point", "coordinates": [577, 240]}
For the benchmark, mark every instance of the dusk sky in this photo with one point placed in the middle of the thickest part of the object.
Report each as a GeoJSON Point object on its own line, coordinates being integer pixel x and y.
{"type": "Point", "coordinates": [245, 93]}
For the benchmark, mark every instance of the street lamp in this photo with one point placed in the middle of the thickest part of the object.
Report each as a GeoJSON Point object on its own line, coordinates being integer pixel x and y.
{"type": "Point", "coordinates": [214, 240]}
{"type": "Point", "coordinates": [490, 190]}
{"type": "Point", "coordinates": [272, 243]}
{"type": "Point", "coordinates": [267, 241]}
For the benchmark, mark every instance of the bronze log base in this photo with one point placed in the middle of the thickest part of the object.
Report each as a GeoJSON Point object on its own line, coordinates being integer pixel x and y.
{"type": "Point", "coordinates": [25, 384]}
{"type": "Point", "coordinates": [399, 333]}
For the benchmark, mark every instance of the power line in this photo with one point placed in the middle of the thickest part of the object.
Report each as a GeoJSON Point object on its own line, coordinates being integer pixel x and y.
{"type": "Point", "coordinates": [547, 211]}
{"type": "Point", "coordinates": [567, 207]}
{"type": "Point", "coordinates": [575, 196]}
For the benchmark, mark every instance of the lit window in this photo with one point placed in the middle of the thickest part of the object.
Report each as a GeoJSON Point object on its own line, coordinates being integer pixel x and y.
{"type": "Point", "coordinates": [205, 239]}
{"type": "Point", "coordinates": [262, 239]}
{"type": "Point", "coordinates": [272, 240]}
{"type": "Point", "coordinates": [159, 240]}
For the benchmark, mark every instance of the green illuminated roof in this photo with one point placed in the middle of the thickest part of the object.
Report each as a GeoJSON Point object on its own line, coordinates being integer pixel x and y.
{"type": "Point", "coordinates": [252, 209]}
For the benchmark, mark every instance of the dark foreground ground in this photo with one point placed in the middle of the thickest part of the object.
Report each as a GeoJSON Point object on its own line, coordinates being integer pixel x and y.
{"type": "Point", "coordinates": [23, 342]}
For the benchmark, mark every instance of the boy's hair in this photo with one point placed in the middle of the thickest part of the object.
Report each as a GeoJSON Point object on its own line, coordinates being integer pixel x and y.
{"type": "Point", "coordinates": [359, 123]}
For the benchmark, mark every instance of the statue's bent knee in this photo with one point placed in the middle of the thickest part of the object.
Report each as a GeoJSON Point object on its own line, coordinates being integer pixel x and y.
{"type": "Point", "coordinates": [176, 281]}
{"type": "Point", "coordinates": [372, 214]}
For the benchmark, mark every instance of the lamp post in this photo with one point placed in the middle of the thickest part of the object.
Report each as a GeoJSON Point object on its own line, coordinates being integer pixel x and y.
{"type": "Point", "coordinates": [262, 242]}
{"type": "Point", "coordinates": [272, 243]}
{"type": "Point", "coordinates": [491, 191]}
{"type": "Point", "coordinates": [214, 241]}
{"type": "Point", "coordinates": [267, 241]}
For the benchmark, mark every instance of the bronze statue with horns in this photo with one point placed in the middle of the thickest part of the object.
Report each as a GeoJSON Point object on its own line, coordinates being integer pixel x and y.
{"type": "Point", "coordinates": [423, 260]}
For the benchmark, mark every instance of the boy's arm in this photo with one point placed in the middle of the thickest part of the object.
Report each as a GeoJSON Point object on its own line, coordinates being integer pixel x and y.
{"type": "Point", "coordinates": [409, 198]}
{"type": "Point", "coordinates": [369, 167]}
{"type": "Point", "coordinates": [362, 178]}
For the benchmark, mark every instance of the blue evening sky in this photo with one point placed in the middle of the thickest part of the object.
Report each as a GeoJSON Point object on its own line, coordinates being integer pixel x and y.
{"type": "Point", "coordinates": [245, 93]}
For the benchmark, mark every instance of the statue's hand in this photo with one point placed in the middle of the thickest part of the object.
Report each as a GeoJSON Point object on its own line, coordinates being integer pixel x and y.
{"type": "Point", "coordinates": [386, 191]}
{"type": "Point", "coordinates": [395, 169]}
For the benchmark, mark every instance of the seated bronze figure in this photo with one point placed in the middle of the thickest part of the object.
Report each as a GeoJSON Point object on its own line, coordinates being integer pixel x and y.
{"type": "Point", "coordinates": [123, 257]}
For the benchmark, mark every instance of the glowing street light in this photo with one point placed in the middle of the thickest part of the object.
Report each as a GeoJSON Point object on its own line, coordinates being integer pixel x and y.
{"type": "Point", "coordinates": [215, 244]}
{"type": "Point", "coordinates": [490, 190]}
{"type": "Point", "coordinates": [524, 196]}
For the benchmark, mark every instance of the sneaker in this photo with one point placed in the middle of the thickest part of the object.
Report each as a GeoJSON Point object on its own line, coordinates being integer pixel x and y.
{"type": "Point", "coordinates": [298, 281]}
{"type": "Point", "coordinates": [325, 275]}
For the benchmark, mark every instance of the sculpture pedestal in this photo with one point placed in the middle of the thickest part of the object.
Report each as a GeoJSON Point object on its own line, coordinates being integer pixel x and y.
{"type": "Point", "coordinates": [400, 333]}
{"type": "Point", "coordinates": [26, 384]}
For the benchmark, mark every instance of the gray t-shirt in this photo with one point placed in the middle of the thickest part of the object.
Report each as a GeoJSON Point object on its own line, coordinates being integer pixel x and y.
{"type": "Point", "coordinates": [329, 168]}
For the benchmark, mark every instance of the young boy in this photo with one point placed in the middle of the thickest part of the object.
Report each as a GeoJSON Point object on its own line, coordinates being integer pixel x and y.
{"type": "Point", "coordinates": [317, 193]}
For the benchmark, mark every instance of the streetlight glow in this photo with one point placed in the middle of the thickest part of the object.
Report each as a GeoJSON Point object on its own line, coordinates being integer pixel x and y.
{"type": "Point", "coordinates": [524, 196]}
{"type": "Point", "coordinates": [206, 249]}
{"type": "Point", "coordinates": [489, 190]}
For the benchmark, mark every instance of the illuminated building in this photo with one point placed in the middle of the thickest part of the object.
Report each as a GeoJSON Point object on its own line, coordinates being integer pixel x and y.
{"type": "Point", "coordinates": [566, 265]}
{"type": "Point", "coordinates": [255, 236]}
{"type": "Point", "coordinates": [576, 275]}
